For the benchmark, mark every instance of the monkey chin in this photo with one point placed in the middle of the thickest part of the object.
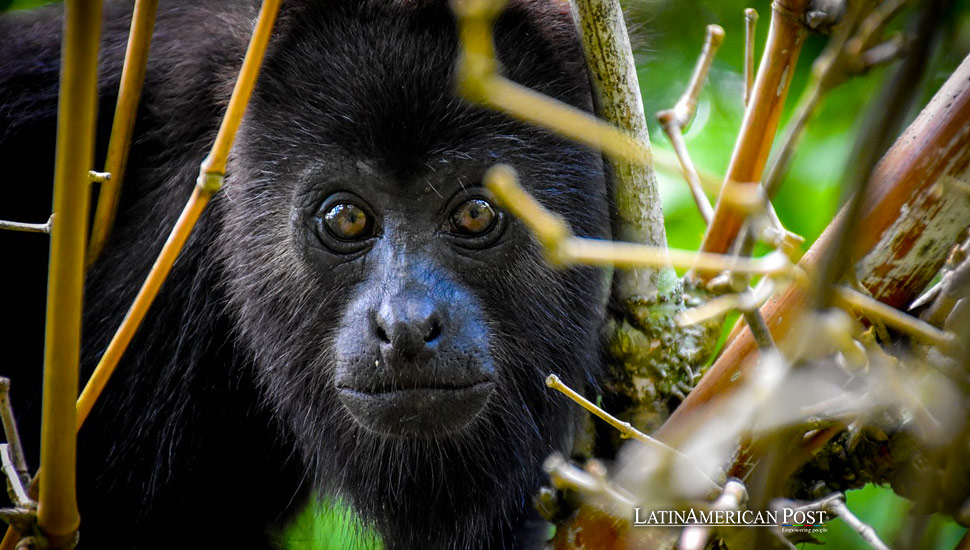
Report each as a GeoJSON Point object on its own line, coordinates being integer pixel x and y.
{"type": "Point", "coordinates": [416, 412]}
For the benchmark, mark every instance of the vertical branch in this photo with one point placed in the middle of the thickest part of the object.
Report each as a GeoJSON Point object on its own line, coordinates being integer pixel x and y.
{"type": "Point", "coordinates": [57, 514]}
{"type": "Point", "coordinates": [211, 176]}
{"type": "Point", "coordinates": [750, 25]}
{"type": "Point", "coordinates": [638, 217]}
{"type": "Point", "coordinates": [129, 94]}
{"type": "Point", "coordinates": [785, 38]}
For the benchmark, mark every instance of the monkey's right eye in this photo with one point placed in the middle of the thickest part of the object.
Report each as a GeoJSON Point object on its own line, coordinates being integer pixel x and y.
{"type": "Point", "coordinates": [348, 222]}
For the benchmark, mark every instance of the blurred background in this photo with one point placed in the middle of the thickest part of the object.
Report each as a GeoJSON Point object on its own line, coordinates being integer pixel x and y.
{"type": "Point", "coordinates": [667, 37]}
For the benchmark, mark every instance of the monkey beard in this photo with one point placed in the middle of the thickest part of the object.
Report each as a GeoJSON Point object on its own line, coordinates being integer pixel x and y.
{"type": "Point", "coordinates": [462, 490]}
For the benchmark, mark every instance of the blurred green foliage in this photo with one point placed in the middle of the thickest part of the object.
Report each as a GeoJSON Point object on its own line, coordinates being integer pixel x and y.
{"type": "Point", "coordinates": [7, 5]}
{"type": "Point", "coordinates": [329, 525]}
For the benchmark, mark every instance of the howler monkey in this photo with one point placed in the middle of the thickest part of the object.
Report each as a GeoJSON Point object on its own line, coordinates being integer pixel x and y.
{"type": "Point", "coordinates": [354, 315]}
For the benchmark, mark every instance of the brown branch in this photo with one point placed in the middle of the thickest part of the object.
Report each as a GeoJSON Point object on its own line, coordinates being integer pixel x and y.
{"type": "Point", "coordinates": [892, 256]}
{"type": "Point", "coordinates": [754, 141]}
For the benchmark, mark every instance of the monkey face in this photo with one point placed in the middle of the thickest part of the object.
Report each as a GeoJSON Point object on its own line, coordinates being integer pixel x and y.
{"type": "Point", "coordinates": [391, 309]}
{"type": "Point", "coordinates": [412, 348]}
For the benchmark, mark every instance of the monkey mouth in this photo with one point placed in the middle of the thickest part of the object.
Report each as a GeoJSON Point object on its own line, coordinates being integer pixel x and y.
{"type": "Point", "coordinates": [416, 411]}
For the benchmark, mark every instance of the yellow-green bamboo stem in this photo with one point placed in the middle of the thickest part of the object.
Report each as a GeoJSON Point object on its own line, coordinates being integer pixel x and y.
{"type": "Point", "coordinates": [210, 180]}
{"type": "Point", "coordinates": [129, 94]}
{"type": "Point", "coordinates": [562, 247]}
{"type": "Point", "coordinates": [57, 513]}
{"type": "Point", "coordinates": [139, 308]}
{"type": "Point", "coordinates": [215, 163]}
{"type": "Point", "coordinates": [479, 81]}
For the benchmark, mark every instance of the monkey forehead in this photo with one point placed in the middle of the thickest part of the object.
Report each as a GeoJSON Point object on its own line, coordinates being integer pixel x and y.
{"type": "Point", "coordinates": [378, 79]}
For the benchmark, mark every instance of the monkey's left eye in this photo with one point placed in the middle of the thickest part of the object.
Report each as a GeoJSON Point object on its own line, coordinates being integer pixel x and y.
{"type": "Point", "coordinates": [348, 222]}
{"type": "Point", "coordinates": [473, 217]}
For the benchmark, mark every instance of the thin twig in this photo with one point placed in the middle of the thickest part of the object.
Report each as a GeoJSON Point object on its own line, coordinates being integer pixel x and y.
{"type": "Point", "coordinates": [950, 290]}
{"type": "Point", "coordinates": [732, 497]}
{"type": "Point", "coordinates": [27, 227]}
{"type": "Point", "coordinates": [479, 81]}
{"type": "Point", "coordinates": [627, 431]}
{"type": "Point", "coordinates": [564, 475]}
{"type": "Point", "coordinates": [753, 144]}
{"type": "Point", "coordinates": [756, 322]}
{"type": "Point", "coordinates": [98, 177]}
{"type": "Point", "coordinates": [680, 115]}
{"type": "Point", "coordinates": [129, 94]}
{"type": "Point", "coordinates": [562, 247]}
{"type": "Point", "coordinates": [835, 505]}
{"type": "Point", "coordinates": [12, 433]}
{"type": "Point", "coordinates": [689, 172]}
{"type": "Point", "coordinates": [14, 479]}
{"type": "Point", "coordinates": [211, 176]}
{"type": "Point", "coordinates": [675, 119]}
{"type": "Point", "coordinates": [750, 25]}
{"type": "Point", "coordinates": [868, 306]}
{"type": "Point", "coordinates": [667, 161]}
{"type": "Point", "coordinates": [750, 299]}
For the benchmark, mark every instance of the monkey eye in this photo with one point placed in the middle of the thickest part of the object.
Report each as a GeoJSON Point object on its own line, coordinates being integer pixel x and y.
{"type": "Point", "coordinates": [348, 222]}
{"type": "Point", "coordinates": [473, 217]}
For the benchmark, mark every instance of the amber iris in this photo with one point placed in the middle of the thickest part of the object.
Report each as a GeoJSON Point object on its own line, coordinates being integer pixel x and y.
{"type": "Point", "coordinates": [473, 217]}
{"type": "Point", "coordinates": [348, 222]}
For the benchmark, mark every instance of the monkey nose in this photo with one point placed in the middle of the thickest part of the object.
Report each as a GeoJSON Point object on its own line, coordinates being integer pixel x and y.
{"type": "Point", "coordinates": [408, 326]}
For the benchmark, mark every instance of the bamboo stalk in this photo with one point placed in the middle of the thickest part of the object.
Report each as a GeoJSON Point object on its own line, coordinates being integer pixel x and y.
{"type": "Point", "coordinates": [785, 38]}
{"type": "Point", "coordinates": [129, 94]}
{"type": "Point", "coordinates": [562, 247]}
{"type": "Point", "coordinates": [57, 513]}
{"type": "Point", "coordinates": [215, 163]}
{"type": "Point", "coordinates": [910, 226]}
{"type": "Point", "coordinates": [139, 308]}
{"type": "Point", "coordinates": [210, 181]}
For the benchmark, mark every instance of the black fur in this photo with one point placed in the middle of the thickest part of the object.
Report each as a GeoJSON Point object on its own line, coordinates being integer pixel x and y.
{"type": "Point", "coordinates": [223, 419]}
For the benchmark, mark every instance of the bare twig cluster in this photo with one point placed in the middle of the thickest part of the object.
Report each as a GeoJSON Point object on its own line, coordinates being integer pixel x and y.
{"type": "Point", "coordinates": [802, 381]}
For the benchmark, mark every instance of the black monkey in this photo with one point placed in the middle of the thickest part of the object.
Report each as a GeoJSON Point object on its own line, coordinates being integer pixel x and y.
{"type": "Point", "coordinates": [354, 315]}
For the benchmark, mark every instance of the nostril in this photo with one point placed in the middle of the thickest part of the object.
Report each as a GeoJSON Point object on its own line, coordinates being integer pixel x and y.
{"type": "Point", "coordinates": [434, 332]}
{"type": "Point", "coordinates": [381, 333]}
